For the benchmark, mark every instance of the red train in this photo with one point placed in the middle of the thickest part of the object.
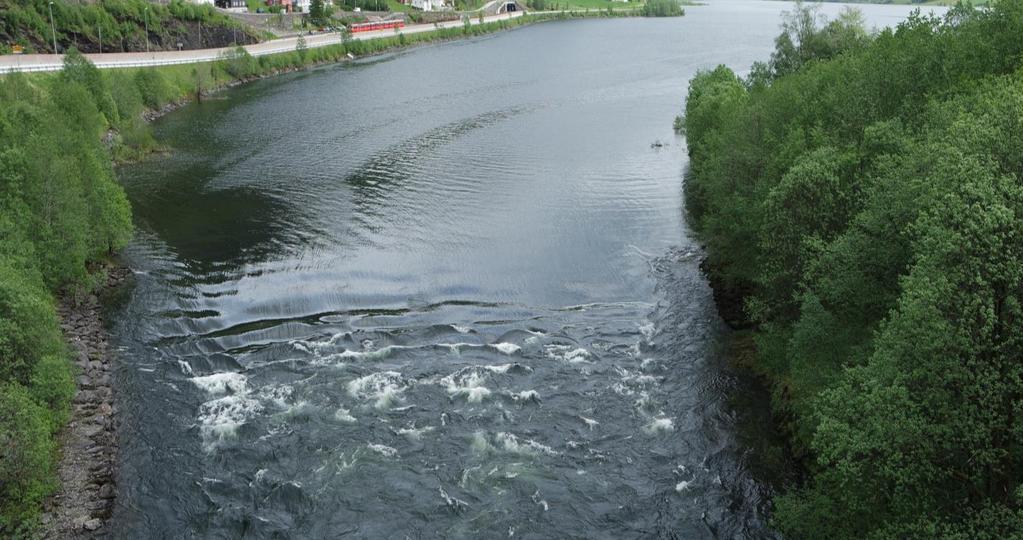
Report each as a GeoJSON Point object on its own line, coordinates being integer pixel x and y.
{"type": "Point", "coordinates": [380, 25]}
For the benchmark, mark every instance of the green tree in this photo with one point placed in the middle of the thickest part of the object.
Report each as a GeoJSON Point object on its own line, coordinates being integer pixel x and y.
{"type": "Point", "coordinates": [862, 195]}
{"type": "Point", "coordinates": [318, 13]}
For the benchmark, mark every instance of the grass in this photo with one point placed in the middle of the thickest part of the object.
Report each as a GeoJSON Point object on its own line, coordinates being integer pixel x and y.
{"type": "Point", "coordinates": [395, 5]}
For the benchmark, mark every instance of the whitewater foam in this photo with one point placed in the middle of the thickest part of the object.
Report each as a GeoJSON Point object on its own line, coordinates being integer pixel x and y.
{"type": "Point", "coordinates": [220, 418]}
{"type": "Point", "coordinates": [413, 433]}
{"type": "Point", "coordinates": [514, 444]}
{"type": "Point", "coordinates": [344, 415]}
{"type": "Point", "coordinates": [368, 354]}
{"type": "Point", "coordinates": [659, 424]}
{"type": "Point", "coordinates": [222, 383]}
{"type": "Point", "coordinates": [453, 502]}
{"type": "Point", "coordinates": [506, 348]}
{"type": "Point", "coordinates": [567, 353]}
{"type": "Point", "coordinates": [279, 395]}
{"type": "Point", "coordinates": [540, 502]}
{"type": "Point", "coordinates": [382, 388]}
{"type": "Point", "coordinates": [186, 368]}
{"type": "Point", "coordinates": [525, 395]}
{"type": "Point", "coordinates": [382, 449]}
{"type": "Point", "coordinates": [468, 382]}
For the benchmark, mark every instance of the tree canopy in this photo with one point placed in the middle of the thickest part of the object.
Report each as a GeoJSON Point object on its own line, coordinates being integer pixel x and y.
{"type": "Point", "coordinates": [867, 190]}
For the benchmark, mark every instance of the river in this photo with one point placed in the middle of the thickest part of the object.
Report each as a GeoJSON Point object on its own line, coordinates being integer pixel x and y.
{"type": "Point", "coordinates": [447, 292]}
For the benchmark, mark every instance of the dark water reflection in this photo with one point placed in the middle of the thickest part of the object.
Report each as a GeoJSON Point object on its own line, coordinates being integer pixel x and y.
{"type": "Point", "coordinates": [447, 292]}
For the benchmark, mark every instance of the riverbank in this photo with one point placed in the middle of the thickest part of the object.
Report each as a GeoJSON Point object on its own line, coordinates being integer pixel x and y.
{"type": "Point", "coordinates": [87, 491]}
{"type": "Point", "coordinates": [61, 212]}
{"type": "Point", "coordinates": [878, 259]}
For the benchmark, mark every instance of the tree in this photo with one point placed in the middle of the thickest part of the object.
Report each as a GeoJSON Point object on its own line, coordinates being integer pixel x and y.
{"type": "Point", "coordinates": [318, 13]}
{"type": "Point", "coordinates": [862, 193]}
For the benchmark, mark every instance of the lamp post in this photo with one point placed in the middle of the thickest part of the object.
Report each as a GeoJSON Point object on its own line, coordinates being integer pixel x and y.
{"type": "Point", "coordinates": [53, 29]}
{"type": "Point", "coordinates": [147, 28]}
{"type": "Point", "coordinates": [101, 38]}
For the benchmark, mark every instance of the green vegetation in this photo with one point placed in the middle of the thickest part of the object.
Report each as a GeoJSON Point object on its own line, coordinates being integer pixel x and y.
{"type": "Point", "coordinates": [121, 24]}
{"type": "Point", "coordinates": [319, 13]}
{"type": "Point", "coordinates": [558, 5]}
{"type": "Point", "coordinates": [60, 208]}
{"type": "Point", "coordinates": [395, 5]}
{"type": "Point", "coordinates": [865, 195]}
{"type": "Point", "coordinates": [371, 5]}
{"type": "Point", "coordinates": [662, 8]}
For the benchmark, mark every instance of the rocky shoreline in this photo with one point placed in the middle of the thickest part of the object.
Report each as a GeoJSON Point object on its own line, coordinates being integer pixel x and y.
{"type": "Point", "coordinates": [85, 499]}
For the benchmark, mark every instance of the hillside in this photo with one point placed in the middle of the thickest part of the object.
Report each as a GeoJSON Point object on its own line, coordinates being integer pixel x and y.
{"type": "Point", "coordinates": [121, 24]}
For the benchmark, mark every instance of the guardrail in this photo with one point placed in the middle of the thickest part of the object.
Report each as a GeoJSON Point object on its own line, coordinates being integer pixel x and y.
{"type": "Point", "coordinates": [208, 55]}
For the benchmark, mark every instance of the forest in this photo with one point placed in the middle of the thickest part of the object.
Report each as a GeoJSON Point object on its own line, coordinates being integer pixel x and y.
{"type": "Point", "coordinates": [60, 210]}
{"type": "Point", "coordinates": [860, 197]}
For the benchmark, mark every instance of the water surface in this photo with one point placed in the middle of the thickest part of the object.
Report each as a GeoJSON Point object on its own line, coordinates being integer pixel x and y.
{"type": "Point", "coordinates": [442, 293]}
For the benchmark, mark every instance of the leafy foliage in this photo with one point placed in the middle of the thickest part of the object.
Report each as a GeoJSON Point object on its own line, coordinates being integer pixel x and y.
{"type": "Point", "coordinates": [59, 208]}
{"type": "Point", "coordinates": [868, 191]}
{"type": "Point", "coordinates": [662, 8]}
{"type": "Point", "coordinates": [364, 5]}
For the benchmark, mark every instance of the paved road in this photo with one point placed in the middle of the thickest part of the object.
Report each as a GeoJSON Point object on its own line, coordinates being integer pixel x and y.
{"type": "Point", "coordinates": [53, 62]}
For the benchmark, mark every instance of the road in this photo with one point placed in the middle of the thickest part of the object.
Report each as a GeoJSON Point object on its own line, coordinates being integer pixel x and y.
{"type": "Point", "coordinates": [53, 62]}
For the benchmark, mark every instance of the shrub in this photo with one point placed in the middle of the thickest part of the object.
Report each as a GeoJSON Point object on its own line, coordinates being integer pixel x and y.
{"type": "Point", "coordinates": [239, 63]}
{"type": "Point", "coordinates": [153, 88]}
{"type": "Point", "coordinates": [26, 460]}
{"type": "Point", "coordinates": [662, 8]}
{"type": "Point", "coordinates": [28, 324]}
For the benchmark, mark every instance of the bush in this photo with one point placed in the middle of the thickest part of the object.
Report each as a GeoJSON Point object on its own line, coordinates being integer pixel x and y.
{"type": "Point", "coordinates": [28, 325]}
{"type": "Point", "coordinates": [26, 460]}
{"type": "Point", "coordinates": [153, 88]}
{"type": "Point", "coordinates": [240, 64]}
{"type": "Point", "coordinates": [662, 8]}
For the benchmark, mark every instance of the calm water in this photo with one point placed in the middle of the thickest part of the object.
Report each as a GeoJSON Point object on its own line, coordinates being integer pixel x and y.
{"type": "Point", "coordinates": [443, 293]}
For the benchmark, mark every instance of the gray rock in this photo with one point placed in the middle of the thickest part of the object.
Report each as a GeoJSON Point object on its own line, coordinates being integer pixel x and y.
{"type": "Point", "coordinates": [106, 491]}
{"type": "Point", "coordinates": [85, 396]}
{"type": "Point", "coordinates": [92, 430]}
{"type": "Point", "coordinates": [93, 524]}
